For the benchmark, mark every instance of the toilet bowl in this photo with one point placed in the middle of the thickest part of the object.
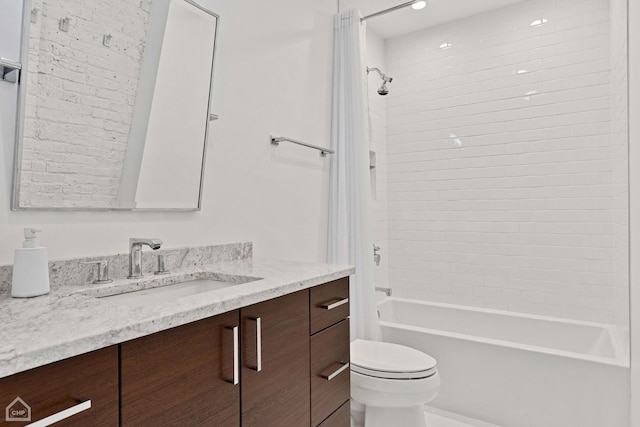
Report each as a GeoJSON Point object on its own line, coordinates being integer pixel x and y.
{"type": "Point", "coordinates": [390, 384]}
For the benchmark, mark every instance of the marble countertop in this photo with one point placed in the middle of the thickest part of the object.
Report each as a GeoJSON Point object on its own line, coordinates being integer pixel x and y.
{"type": "Point", "coordinates": [71, 320]}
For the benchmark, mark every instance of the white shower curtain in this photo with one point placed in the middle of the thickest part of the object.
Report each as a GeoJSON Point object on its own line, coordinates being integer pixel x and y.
{"type": "Point", "coordinates": [350, 239]}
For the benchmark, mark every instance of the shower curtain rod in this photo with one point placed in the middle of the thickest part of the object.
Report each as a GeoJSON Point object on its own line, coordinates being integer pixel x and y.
{"type": "Point", "coordinates": [391, 9]}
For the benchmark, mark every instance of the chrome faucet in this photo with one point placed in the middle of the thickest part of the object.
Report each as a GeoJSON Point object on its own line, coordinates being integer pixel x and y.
{"type": "Point", "coordinates": [135, 255]}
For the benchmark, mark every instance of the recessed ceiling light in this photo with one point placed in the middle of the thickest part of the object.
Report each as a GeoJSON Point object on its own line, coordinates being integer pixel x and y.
{"type": "Point", "coordinates": [445, 45]}
{"type": "Point", "coordinates": [419, 5]}
{"type": "Point", "coordinates": [538, 22]}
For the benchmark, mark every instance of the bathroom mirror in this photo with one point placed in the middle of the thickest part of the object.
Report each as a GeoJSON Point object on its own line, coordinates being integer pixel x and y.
{"type": "Point", "coordinates": [114, 104]}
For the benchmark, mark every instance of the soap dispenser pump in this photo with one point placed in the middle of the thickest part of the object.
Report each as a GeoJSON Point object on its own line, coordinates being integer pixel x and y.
{"type": "Point", "coordinates": [30, 268]}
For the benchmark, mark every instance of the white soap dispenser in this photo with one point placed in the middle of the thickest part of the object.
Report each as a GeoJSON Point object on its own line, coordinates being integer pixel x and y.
{"type": "Point", "coordinates": [30, 268]}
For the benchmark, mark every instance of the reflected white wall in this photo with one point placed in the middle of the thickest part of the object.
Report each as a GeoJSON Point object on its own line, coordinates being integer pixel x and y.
{"type": "Point", "coordinates": [171, 167]}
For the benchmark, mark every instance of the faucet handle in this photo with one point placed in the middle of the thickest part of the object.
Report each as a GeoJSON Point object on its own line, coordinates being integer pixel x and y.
{"type": "Point", "coordinates": [162, 259]}
{"type": "Point", "coordinates": [103, 271]}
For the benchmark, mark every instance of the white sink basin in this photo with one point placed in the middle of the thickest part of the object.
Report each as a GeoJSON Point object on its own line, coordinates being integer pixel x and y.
{"type": "Point", "coordinates": [168, 293]}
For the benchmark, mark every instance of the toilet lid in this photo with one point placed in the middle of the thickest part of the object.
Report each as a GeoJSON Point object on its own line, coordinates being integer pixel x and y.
{"type": "Point", "coordinates": [387, 360]}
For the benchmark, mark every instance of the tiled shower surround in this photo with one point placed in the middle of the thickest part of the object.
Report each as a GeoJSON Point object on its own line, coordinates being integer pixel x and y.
{"type": "Point", "coordinates": [507, 161]}
{"type": "Point", "coordinates": [378, 143]}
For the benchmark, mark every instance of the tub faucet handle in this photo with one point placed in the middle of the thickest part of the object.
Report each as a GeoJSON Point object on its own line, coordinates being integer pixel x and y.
{"type": "Point", "coordinates": [376, 255]}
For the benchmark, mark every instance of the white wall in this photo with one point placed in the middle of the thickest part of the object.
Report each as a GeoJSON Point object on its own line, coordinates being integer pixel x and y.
{"type": "Point", "coordinates": [520, 216]}
{"type": "Point", "coordinates": [273, 70]}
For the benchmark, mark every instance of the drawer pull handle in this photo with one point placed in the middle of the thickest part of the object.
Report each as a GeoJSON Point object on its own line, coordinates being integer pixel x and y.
{"type": "Point", "coordinates": [69, 412]}
{"type": "Point", "coordinates": [337, 372]}
{"type": "Point", "coordinates": [236, 356]}
{"type": "Point", "coordinates": [258, 321]}
{"type": "Point", "coordinates": [331, 306]}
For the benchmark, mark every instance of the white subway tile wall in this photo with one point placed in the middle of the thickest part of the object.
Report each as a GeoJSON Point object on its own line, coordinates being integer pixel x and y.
{"type": "Point", "coordinates": [378, 144]}
{"type": "Point", "coordinates": [507, 165]}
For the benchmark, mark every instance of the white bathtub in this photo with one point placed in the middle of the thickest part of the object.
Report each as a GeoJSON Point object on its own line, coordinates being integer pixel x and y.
{"type": "Point", "coordinates": [517, 370]}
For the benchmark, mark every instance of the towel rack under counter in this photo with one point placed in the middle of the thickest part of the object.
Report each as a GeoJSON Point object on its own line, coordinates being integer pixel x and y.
{"type": "Point", "coordinates": [275, 140]}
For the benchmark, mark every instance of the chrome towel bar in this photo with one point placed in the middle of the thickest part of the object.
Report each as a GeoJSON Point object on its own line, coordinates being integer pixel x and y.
{"type": "Point", "coordinates": [275, 140]}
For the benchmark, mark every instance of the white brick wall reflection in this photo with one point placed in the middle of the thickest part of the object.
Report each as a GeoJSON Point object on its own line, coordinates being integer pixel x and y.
{"type": "Point", "coordinates": [80, 100]}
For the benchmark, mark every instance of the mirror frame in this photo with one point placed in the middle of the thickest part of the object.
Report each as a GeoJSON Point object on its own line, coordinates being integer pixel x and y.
{"type": "Point", "coordinates": [20, 112]}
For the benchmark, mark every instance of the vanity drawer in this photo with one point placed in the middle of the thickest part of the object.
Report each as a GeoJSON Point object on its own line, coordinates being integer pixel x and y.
{"type": "Point", "coordinates": [330, 374]}
{"type": "Point", "coordinates": [329, 304]}
{"type": "Point", "coordinates": [340, 418]}
{"type": "Point", "coordinates": [82, 390]}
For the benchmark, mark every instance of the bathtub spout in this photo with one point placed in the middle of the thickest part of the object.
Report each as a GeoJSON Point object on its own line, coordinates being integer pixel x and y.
{"type": "Point", "coordinates": [387, 291]}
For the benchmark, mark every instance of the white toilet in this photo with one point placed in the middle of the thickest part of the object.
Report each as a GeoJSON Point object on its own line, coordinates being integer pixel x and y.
{"type": "Point", "coordinates": [390, 383]}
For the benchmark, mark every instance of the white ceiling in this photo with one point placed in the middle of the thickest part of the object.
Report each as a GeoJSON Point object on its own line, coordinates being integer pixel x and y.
{"type": "Point", "coordinates": [407, 20]}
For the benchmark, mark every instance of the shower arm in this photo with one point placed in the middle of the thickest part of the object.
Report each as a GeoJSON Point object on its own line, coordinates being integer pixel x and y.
{"type": "Point", "coordinates": [384, 77]}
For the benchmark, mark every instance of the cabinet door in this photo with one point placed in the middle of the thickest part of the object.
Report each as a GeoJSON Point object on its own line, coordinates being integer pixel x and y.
{"type": "Point", "coordinates": [65, 387]}
{"type": "Point", "coordinates": [275, 370]}
{"type": "Point", "coordinates": [182, 376]}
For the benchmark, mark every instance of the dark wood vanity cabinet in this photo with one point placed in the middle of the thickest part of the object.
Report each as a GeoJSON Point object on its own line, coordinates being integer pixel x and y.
{"type": "Point", "coordinates": [275, 367]}
{"type": "Point", "coordinates": [80, 391]}
{"type": "Point", "coordinates": [181, 376]}
{"type": "Point", "coordinates": [293, 366]}
{"type": "Point", "coordinates": [279, 363]}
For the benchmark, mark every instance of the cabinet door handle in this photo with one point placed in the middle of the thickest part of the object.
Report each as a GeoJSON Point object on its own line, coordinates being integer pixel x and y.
{"type": "Point", "coordinates": [59, 416]}
{"type": "Point", "coordinates": [236, 356]}
{"type": "Point", "coordinates": [331, 306]}
{"type": "Point", "coordinates": [344, 366]}
{"type": "Point", "coordinates": [258, 321]}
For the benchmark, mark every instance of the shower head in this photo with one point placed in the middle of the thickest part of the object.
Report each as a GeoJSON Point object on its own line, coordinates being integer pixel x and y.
{"type": "Point", "coordinates": [382, 90]}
